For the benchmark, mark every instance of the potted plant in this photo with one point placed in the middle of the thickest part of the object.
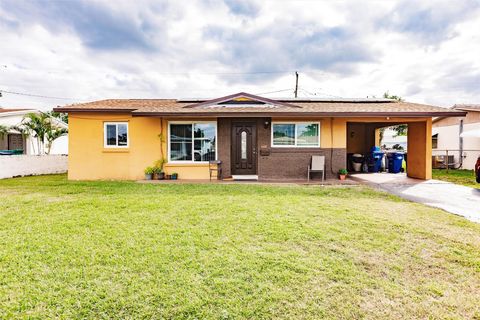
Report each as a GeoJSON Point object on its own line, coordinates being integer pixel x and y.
{"type": "Point", "coordinates": [158, 174]}
{"type": "Point", "coordinates": [174, 176]}
{"type": "Point", "coordinates": [158, 167]}
{"type": "Point", "coordinates": [149, 173]}
{"type": "Point", "coordinates": [342, 174]}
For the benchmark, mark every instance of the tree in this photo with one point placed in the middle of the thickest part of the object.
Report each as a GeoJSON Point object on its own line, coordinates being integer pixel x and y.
{"type": "Point", "coordinates": [53, 134]}
{"type": "Point", "coordinates": [387, 95]}
{"type": "Point", "coordinates": [37, 126]}
{"type": "Point", "coordinates": [3, 130]}
{"type": "Point", "coordinates": [23, 131]}
{"type": "Point", "coordinates": [59, 115]}
{"type": "Point", "coordinates": [400, 129]}
{"type": "Point", "coordinates": [42, 127]}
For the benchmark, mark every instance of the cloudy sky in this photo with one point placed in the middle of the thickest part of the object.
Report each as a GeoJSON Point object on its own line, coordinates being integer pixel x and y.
{"type": "Point", "coordinates": [425, 51]}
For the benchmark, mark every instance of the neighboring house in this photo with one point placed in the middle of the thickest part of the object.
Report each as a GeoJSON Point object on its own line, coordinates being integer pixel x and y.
{"type": "Point", "coordinates": [251, 135]}
{"type": "Point", "coordinates": [15, 141]}
{"type": "Point", "coordinates": [446, 136]}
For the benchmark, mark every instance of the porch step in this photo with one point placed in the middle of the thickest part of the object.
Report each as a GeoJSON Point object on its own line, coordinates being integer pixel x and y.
{"type": "Point", "coordinates": [245, 177]}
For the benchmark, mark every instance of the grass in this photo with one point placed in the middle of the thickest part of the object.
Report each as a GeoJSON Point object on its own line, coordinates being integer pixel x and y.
{"type": "Point", "coordinates": [464, 177]}
{"type": "Point", "coordinates": [128, 250]}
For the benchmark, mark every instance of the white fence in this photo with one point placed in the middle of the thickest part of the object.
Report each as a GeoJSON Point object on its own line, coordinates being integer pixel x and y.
{"type": "Point", "coordinates": [23, 165]}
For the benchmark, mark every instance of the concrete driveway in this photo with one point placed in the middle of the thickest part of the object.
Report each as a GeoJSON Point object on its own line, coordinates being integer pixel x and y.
{"type": "Point", "coordinates": [454, 198]}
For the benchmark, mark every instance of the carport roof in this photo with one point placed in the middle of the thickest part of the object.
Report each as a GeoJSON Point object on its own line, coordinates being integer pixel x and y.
{"type": "Point", "coordinates": [247, 105]}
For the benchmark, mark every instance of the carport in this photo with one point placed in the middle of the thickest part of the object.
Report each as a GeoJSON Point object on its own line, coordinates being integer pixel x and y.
{"type": "Point", "coordinates": [363, 134]}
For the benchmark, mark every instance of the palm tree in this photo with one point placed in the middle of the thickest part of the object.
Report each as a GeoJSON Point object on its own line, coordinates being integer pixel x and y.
{"type": "Point", "coordinates": [36, 125]}
{"type": "Point", "coordinates": [3, 130]}
{"type": "Point", "coordinates": [24, 132]}
{"type": "Point", "coordinates": [52, 134]}
{"type": "Point", "coordinates": [400, 129]}
{"type": "Point", "coordinates": [43, 128]}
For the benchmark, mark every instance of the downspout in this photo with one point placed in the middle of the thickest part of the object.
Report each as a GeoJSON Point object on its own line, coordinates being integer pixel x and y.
{"type": "Point", "coordinates": [331, 146]}
{"type": "Point", "coordinates": [460, 143]}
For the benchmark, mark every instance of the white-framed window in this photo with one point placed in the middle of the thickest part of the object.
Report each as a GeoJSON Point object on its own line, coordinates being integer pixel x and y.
{"type": "Point", "coordinates": [296, 134]}
{"type": "Point", "coordinates": [192, 141]}
{"type": "Point", "coordinates": [115, 135]}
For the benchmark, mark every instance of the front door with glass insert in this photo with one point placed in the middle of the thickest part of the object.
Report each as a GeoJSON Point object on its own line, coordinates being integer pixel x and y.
{"type": "Point", "coordinates": [244, 148]}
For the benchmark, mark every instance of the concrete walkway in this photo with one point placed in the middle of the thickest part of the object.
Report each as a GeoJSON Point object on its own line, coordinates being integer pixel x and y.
{"type": "Point", "coordinates": [454, 198]}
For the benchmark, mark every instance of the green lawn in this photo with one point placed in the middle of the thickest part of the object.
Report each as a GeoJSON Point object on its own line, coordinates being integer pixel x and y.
{"type": "Point", "coordinates": [128, 250]}
{"type": "Point", "coordinates": [465, 177]}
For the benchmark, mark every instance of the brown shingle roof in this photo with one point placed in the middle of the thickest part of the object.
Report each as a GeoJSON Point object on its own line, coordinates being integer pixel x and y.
{"type": "Point", "coordinates": [172, 107]}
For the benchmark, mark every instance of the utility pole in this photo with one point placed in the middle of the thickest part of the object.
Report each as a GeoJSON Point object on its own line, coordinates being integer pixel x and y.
{"type": "Point", "coordinates": [296, 84]}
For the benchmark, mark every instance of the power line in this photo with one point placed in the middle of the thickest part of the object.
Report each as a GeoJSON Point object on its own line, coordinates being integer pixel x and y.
{"type": "Point", "coordinates": [187, 73]}
{"type": "Point", "coordinates": [316, 94]}
{"type": "Point", "coordinates": [192, 73]}
{"type": "Point", "coordinates": [225, 73]}
{"type": "Point", "coordinates": [38, 95]}
{"type": "Point", "coordinates": [283, 90]}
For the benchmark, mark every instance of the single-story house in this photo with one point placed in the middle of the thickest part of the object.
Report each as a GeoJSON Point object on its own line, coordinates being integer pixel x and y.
{"type": "Point", "coordinates": [13, 140]}
{"type": "Point", "coordinates": [272, 139]}
{"type": "Point", "coordinates": [452, 133]}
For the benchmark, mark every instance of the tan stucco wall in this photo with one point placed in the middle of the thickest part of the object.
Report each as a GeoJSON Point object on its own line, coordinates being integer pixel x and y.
{"type": "Point", "coordinates": [419, 162]}
{"type": "Point", "coordinates": [89, 160]}
{"type": "Point", "coordinates": [362, 136]}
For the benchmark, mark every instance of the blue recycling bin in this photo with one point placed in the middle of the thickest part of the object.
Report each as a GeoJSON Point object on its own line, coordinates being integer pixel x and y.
{"type": "Point", "coordinates": [375, 159]}
{"type": "Point", "coordinates": [395, 160]}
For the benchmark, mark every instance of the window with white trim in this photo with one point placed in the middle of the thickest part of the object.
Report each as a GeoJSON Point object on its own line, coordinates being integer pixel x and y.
{"type": "Point", "coordinates": [296, 134]}
{"type": "Point", "coordinates": [192, 141]}
{"type": "Point", "coordinates": [115, 135]}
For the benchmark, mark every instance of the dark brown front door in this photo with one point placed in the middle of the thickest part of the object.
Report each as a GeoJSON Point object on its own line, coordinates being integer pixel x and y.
{"type": "Point", "coordinates": [244, 148]}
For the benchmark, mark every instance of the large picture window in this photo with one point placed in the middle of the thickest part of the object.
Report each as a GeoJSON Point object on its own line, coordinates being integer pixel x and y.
{"type": "Point", "coordinates": [296, 134]}
{"type": "Point", "coordinates": [115, 135]}
{"type": "Point", "coordinates": [192, 142]}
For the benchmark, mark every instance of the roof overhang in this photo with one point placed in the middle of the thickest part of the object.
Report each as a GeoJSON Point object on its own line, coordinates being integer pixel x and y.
{"type": "Point", "coordinates": [14, 112]}
{"type": "Point", "coordinates": [86, 110]}
{"type": "Point", "coordinates": [299, 114]}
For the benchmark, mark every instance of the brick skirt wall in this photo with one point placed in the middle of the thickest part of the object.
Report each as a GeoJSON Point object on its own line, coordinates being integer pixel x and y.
{"type": "Point", "coordinates": [280, 163]}
{"type": "Point", "coordinates": [292, 163]}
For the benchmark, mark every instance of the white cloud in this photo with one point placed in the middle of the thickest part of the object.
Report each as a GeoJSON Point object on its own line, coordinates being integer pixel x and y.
{"type": "Point", "coordinates": [171, 49]}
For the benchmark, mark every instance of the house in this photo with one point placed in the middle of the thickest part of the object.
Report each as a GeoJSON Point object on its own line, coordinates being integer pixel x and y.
{"type": "Point", "coordinates": [13, 140]}
{"type": "Point", "coordinates": [447, 131]}
{"type": "Point", "coordinates": [251, 135]}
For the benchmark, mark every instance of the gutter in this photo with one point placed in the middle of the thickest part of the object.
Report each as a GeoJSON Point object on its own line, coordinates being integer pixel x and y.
{"type": "Point", "coordinates": [108, 110]}
{"type": "Point", "coordinates": [408, 114]}
{"type": "Point", "coordinates": [302, 114]}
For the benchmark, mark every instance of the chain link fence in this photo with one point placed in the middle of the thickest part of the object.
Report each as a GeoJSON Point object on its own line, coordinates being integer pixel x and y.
{"type": "Point", "coordinates": [454, 158]}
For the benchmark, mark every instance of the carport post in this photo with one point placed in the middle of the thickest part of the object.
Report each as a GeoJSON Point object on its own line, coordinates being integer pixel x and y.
{"type": "Point", "coordinates": [419, 160]}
